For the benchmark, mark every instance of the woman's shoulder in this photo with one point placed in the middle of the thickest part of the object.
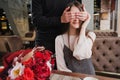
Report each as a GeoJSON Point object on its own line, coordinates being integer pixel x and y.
{"type": "Point", "coordinates": [92, 35]}
{"type": "Point", "coordinates": [58, 38]}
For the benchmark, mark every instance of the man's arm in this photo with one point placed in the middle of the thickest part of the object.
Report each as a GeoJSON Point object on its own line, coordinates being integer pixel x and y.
{"type": "Point", "coordinates": [38, 16]}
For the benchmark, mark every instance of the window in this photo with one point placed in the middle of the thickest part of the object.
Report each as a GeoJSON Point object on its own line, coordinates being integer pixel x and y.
{"type": "Point", "coordinates": [105, 15]}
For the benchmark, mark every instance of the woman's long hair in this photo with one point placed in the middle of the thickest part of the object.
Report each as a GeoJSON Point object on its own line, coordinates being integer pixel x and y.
{"type": "Point", "coordinates": [80, 7]}
{"type": "Point", "coordinates": [67, 25]}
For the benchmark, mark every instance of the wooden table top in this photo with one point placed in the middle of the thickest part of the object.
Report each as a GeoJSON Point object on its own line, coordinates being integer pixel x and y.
{"type": "Point", "coordinates": [82, 75]}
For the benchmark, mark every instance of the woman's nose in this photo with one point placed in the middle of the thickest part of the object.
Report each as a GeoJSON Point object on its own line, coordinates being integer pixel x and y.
{"type": "Point", "coordinates": [76, 19]}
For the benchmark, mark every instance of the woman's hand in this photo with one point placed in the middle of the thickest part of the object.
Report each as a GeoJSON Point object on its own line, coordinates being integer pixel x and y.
{"type": "Point", "coordinates": [86, 22]}
{"type": "Point", "coordinates": [82, 15]}
{"type": "Point", "coordinates": [31, 53]}
{"type": "Point", "coordinates": [85, 16]}
{"type": "Point", "coordinates": [86, 19]}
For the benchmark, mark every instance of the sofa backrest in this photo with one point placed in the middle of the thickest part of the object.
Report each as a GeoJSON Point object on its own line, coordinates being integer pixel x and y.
{"type": "Point", "coordinates": [101, 34]}
{"type": "Point", "coordinates": [10, 43]}
{"type": "Point", "coordinates": [106, 54]}
{"type": "Point", "coordinates": [3, 44]}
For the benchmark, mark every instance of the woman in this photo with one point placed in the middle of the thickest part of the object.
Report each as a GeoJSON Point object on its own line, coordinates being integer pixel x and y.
{"type": "Point", "coordinates": [73, 48]}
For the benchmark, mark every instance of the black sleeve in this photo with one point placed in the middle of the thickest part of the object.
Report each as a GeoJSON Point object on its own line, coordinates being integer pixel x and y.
{"type": "Point", "coordinates": [39, 19]}
{"type": "Point", "coordinates": [79, 1]}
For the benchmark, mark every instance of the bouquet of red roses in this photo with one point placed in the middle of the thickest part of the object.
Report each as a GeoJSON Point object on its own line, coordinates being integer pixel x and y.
{"type": "Point", "coordinates": [31, 64]}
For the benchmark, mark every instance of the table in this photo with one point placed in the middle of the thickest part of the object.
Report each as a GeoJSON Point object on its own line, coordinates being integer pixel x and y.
{"type": "Point", "coordinates": [79, 75]}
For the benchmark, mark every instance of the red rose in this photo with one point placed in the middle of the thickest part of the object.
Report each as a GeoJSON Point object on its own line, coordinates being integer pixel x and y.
{"type": "Point", "coordinates": [45, 71]}
{"type": "Point", "coordinates": [29, 63]}
{"type": "Point", "coordinates": [41, 71]}
{"type": "Point", "coordinates": [38, 54]}
{"type": "Point", "coordinates": [28, 74]}
{"type": "Point", "coordinates": [52, 62]}
{"type": "Point", "coordinates": [47, 55]}
{"type": "Point", "coordinates": [36, 67]}
{"type": "Point", "coordinates": [19, 78]}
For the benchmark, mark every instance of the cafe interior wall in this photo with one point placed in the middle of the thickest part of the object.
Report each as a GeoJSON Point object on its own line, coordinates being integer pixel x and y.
{"type": "Point", "coordinates": [118, 17]}
{"type": "Point", "coordinates": [110, 16]}
{"type": "Point", "coordinates": [104, 15]}
{"type": "Point", "coordinates": [89, 4]}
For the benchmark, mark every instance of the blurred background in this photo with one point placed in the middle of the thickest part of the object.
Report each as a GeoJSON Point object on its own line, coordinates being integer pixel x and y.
{"type": "Point", "coordinates": [17, 31]}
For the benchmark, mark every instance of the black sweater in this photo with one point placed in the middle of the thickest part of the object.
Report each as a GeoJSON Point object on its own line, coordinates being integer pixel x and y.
{"type": "Point", "coordinates": [46, 15]}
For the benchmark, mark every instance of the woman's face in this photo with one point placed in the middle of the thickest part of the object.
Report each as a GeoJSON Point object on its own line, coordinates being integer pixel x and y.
{"type": "Point", "coordinates": [75, 22]}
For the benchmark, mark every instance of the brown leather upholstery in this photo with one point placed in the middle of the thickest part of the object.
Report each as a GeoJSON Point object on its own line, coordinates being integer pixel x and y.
{"type": "Point", "coordinates": [106, 54]}
{"type": "Point", "coordinates": [106, 34]}
{"type": "Point", "coordinates": [10, 43]}
{"type": "Point", "coordinates": [3, 44]}
{"type": "Point", "coordinates": [29, 34]}
{"type": "Point", "coordinates": [15, 43]}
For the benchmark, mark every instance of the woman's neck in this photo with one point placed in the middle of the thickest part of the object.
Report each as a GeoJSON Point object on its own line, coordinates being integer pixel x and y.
{"type": "Point", "coordinates": [72, 31]}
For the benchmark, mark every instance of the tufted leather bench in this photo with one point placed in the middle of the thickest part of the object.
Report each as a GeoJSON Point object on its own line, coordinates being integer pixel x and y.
{"type": "Point", "coordinates": [12, 43]}
{"type": "Point", "coordinates": [101, 34]}
{"type": "Point", "coordinates": [106, 56]}
{"type": "Point", "coordinates": [9, 44]}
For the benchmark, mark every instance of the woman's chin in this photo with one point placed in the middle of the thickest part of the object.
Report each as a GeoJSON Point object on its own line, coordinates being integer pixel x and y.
{"type": "Point", "coordinates": [76, 26]}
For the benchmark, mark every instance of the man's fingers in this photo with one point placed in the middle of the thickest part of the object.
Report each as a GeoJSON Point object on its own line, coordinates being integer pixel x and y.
{"type": "Point", "coordinates": [81, 14]}
{"type": "Point", "coordinates": [66, 9]}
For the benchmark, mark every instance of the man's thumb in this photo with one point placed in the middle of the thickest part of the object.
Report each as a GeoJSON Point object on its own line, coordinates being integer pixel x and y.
{"type": "Point", "coordinates": [67, 9]}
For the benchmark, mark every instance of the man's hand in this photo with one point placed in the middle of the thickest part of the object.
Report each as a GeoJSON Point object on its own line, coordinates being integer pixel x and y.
{"type": "Point", "coordinates": [67, 16]}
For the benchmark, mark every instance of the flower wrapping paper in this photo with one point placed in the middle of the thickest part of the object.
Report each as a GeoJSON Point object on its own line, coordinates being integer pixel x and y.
{"type": "Point", "coordinates": [29, 64]}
